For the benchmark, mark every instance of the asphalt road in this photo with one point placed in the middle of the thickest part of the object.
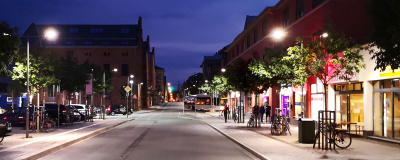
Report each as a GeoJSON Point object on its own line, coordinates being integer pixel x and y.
{"type": "Point", "coordinates": [164, 134]}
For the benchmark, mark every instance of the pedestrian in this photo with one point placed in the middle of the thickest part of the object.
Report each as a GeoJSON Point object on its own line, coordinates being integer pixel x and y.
{"type": "Point", "coordinates": [268, 113]}
{"type": "Point", "coordinates": [226, 110]}
{"type": "Point", "coordinates": [262, 111]}
{"type": "Point", "coordinates": [256, 114]}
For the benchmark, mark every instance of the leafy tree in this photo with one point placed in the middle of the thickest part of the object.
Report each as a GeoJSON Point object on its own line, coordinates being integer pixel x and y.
{"type": "Point", "coordinates": [42, 72]}
{"type": "Point", "coordinates": [327, 58]}
{"type": "Point", "coordinates": [73, 76]}
{"type": "Point", "coordinates": [9, 47]}
{"type": "Point", "coordinates": [385, 33]}
{"type": "Point", "coordinates": [15, 89]}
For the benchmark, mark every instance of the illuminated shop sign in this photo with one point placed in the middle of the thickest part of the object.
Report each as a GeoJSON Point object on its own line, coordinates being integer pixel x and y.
{"type": "Point", "coordinates": [389, 72]}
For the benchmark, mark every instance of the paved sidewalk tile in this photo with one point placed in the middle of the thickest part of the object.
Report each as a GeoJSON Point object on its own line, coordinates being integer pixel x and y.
{"type": "Point", "coordinates": [288, 147]}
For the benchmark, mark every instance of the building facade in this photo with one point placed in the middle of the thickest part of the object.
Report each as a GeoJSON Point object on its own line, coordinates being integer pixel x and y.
{"type": "Point", "coordinates": [301, 18]}
{"type": "Point", "coordinates": [117, 48]}
{"type": "Point", "coordinates": [211, 66]}
{"type": "Point", "coordinates": [160, 86]}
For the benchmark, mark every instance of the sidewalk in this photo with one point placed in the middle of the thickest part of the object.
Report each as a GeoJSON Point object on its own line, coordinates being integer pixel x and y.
{"type": "Point", "coordinates": [287, 147]}
{"type": "Point", "coordinates": [16, 146]}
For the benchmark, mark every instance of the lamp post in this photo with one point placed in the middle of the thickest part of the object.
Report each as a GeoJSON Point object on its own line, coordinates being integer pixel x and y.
{"type": "Point", "coordinates": [50, 34]}
{"type": "Point", "coordinates": [183, 110]}
{"type": "Point", "coordinates": [127, 94]}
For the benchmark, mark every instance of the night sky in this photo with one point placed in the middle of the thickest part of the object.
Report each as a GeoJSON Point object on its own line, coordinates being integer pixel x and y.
{"type": "Point", "coordinates": [182, 31]}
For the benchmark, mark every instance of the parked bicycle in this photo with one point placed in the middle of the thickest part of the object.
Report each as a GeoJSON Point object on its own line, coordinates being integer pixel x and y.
{"type": "Point", "coordinates": [251, 121]}
{"type": "Point", "coordinates": [339, 137]}
{"type": "Point", "coordinates": [46, 125]}
{"type": "Point", "coordinates": [235, 116]}
{"type": "Point", "coordinates": [280, 125]}
{"type": "Point", "coordinates": [2, 136]}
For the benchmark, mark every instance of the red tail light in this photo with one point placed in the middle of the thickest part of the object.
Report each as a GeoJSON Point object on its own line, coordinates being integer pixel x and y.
{"type": "Point", "coordinates": [5, 118]}
{"type": "Point", "coordinates": [20, 117]}
{"type": "Point", "coordinates": [64, 111]}
{"type": "Point", "coordinates": [108, 109]}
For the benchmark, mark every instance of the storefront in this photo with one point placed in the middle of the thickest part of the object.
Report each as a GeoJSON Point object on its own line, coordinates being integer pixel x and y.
{"type": "Point", "coordinates": [387, 108]}
{"type": "Point", "coordinates": [350, 104]}
{"type": "Point", "coordinates": [285, 105]}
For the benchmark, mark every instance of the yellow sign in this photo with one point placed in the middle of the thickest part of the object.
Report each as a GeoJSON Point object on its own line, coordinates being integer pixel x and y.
{"type": "Point", "coordinates": [389, 72]}
{"type": "Point", "coordinates": [127, 89]}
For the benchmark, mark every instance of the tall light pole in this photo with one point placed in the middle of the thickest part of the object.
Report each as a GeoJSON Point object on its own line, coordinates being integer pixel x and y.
{"type": "Point", "coordinates": [183, 110]}
{"type": "Point", "coordinates": [127, 94]}
{"type": "Point", "coordinates": [50, 34]}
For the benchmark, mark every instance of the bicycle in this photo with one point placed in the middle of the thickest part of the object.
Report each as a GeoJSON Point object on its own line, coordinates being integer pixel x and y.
{"type": "Point", "coordinates": [340, 138]}
{"type": "Point", "coordinates": [251, 121]}
{"type": "Point", "coordinates": [46, 125]}
{"type": "Point", "coordinates": [2, 136]}
{"type": "Point", "coordinates": [235, 116]}
{"type": "Point", "coordinates": [276, 127]}
{"type": "Point", "coordinates": [286, 127]}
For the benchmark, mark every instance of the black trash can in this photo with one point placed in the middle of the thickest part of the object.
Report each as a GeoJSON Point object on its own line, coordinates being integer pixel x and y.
{"type": "Point", "coordinates": [306, 130]}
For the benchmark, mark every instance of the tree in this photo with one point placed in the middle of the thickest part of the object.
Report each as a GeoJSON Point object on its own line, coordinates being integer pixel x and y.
{"type": "Point", "coordinates": [9, 47]}
{"type": "Point", "coordinates": [15, 89]}
{"type": "Point", "coordinates": [327, 58]}
{"type": "Point", "coordinates": [42, 72]}
{"type": "Point", "coordinates": [385, 34]}
{"type": "Point", "coordinates": [73, 76]}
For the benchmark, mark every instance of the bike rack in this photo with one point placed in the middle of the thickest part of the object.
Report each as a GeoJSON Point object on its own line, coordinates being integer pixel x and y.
{"type": "Point", "coordinates": [326, 119]}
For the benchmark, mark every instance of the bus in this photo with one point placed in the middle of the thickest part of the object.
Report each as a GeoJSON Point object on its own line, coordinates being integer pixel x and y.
{"type": "Point", "coordinates": [198, 102]}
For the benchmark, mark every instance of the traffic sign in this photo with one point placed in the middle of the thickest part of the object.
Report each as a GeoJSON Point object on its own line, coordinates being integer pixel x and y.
{"type": "Point", "coordinates": [134, 96]}
{"type": "Point", "coordinates": [127, 88]}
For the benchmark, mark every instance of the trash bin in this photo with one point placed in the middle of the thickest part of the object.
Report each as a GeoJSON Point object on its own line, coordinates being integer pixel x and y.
{"type": "Point", "coordinates": [306, 130]}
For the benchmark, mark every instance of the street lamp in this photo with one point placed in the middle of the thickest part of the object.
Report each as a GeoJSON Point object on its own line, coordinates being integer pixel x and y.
{"type": "Point", "coordinates": [50, 34]}
{"type": "Point", "coordinates": [278, 34]}
{"type": "Point", "coordinates": [223, 70]}
{"type": "Point", "coordinates": [127, 94]}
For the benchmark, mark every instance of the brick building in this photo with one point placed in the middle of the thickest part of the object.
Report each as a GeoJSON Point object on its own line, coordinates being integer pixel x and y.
{"type": "Point", "coordinates": [111, 47]}
{"type": "Point", "coordinates": [298, 18]}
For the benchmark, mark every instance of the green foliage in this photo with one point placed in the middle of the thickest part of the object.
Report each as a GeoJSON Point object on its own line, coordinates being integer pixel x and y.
{"type": "Point", "coordinates": [98, 85]}
{"type": "Point", "coordinates": [15, 88]}
{"type": "Point", "coordinates": [385, 33]}
{"type": "Point", "coordinates": [74, 76]}
{"type": "Point", "coordinates": [325, 58]}
{"type": "Point", "coordinates": [238, 76]}
{"type": "Point", "coordinates": [9, 47]}
{"type": "Point", "coordinates": [42, 72]}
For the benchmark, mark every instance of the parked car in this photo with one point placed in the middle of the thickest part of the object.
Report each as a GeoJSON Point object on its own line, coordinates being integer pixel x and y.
{"type": "Point", "coordinates": [16, 116]}
{"type": "Point", "coordinates": [80, 107]}
{"type": "Point", "coordinates": [65, 112]}
{"type": "Point", "coordinates": [5, 127]}
{"type": "Point", "coordinates": [116, 109]}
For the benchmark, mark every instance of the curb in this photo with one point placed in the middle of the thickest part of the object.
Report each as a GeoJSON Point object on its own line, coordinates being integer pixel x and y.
{"type": "Point", "coordinates": [252, 151]}
{"type": "Point", "coordinates": [69, 143]}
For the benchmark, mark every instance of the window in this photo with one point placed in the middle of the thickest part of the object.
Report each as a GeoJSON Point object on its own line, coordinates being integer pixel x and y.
{"type": "Point", "coordinates": [73, 30]}
{"type": "Point", "coordinates": [242, 46]}
{"type": "Point", "coordinates": [105, 43]}
{"type": "Point", "coordinates": [299, 9]}
{"type": "Point", "coordinates": [316, 3]}
{"type": "Point", "coordinates": [248, 42]}
{"type": "Point", "coordinates": [264, 29]}
{"type": "Point", "coordinates": [88, 43]}
{"type": "Point", "coordinates": [255, 36]}
{"type": "Point", "coordinates": [106, 67]}
{"type": "Point", "coordinates": [124, 43]}
{"type": "Point", "coordinates": [124, 69]}
{"type": "Point", "coordinates": [124, 30]}
{"type": "Point", "coordinates": [70, 43]}
{"type": "Point", "coordinates": [237, 49]}
{"type": "Point", "coordinates": [286, 17]}
{"type": "Point", "coordinates": [96, 30]}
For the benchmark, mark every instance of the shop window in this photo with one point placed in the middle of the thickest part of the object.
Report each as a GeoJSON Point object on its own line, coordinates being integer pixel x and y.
{"type": "Point", "coordinates": [396, 107]}
{"type": "Point", "coordinates": [357, 86]}
{"type": "Point", "coordinates": [377, 114]}
{"type": "Point", "coordinates": [387, 83]}
{"type": "Point", "coordinates": [350, 87]}
{"type": "Point", "coordinates": [396, 83]}
{"type": "Point", "coordinates": [343, 88]}
{"type": "Point", "coordinates": [313, 88]}
{"type": "Point", "coordinates": [338, 87]}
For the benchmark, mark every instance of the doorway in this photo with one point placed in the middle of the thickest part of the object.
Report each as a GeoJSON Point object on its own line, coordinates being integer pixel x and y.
{"type": "Point", "coordinates": [351, 108]}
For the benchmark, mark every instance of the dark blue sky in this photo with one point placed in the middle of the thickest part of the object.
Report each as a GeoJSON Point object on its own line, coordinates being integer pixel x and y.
{"type": "Point", "coordinates": [182, 31]}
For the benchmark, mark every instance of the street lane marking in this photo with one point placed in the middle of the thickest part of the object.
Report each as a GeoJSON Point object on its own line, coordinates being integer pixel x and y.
{"type": "Point", "coordinates": [133, 145]}
{"type": "Point", "coordinates": [43, 138]}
